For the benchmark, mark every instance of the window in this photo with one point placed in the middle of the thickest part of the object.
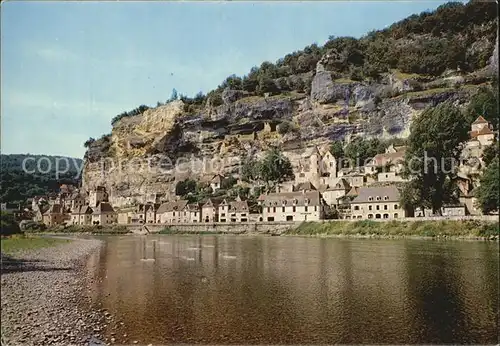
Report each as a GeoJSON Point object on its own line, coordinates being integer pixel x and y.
{"type": "Point", "coordinates": [370, 216]}
{"type": "Point", "coordinates": [370, 198]}
{"type": "Point", "coordinates": [378, 198]}
{"type": "Point", "coordinates": [396, 206]}
{"type": "Point", "coordinates": [289, 218]}
{"type": "Point", "coordinates": [370, 207]}
{"type": "Point", "coordinates": [356, 207]}
{"type": "Point", "coordinates": [377, 207]}
{"type": "Point", "coordinates": [268, 209]}
{"type": "Point", "coordinates": [395, 215]}
{"type": "Point", "coordinates": [283, 209]}
{"type": "Point", "coordinates": [386, 198]}
{"type": "Point", "coordinates": [305, 208]}
{"type": "Point", "coordinates": [294, 209]}
{"type": "Point", "coordinates": [315, 208]}
{"type": "Point", "coordinates": [174, 213]}
{"type": "Point", "coordinates": [274, 209]}
{"type": "Point", "coordinates": [386, 216]}
{"type": "Point", "coordinates": [194, 213]}
{"type": "Point", "coordinates": [385, 206]}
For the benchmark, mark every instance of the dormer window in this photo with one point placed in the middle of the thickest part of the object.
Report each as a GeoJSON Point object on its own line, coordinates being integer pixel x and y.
{"type": "Point", "coordinates": [386, 198]}
{"type": "Point", "coordinates": [295, 201]}
{"type": "Point", "coordinates": [370, 198]}
{"type": "Point", "coordinates": [284, 202]}
{"type": "Point", "coordinates": [378, 198]}
{"type": "Point", "coordinates": [307, 200]}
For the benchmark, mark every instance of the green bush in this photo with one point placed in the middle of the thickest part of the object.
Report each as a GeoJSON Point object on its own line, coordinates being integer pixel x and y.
{"type": "Point", "coordinates": [8, 224]}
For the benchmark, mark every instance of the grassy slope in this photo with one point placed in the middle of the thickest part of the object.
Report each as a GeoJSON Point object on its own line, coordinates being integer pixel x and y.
{"type": "Point", "coordinates": [16, 243]}
{"type": "Point", "coordinates": [399, 228]}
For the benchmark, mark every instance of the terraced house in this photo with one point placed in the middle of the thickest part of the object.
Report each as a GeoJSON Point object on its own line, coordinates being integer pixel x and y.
{"type": "Point", "coordinates": [233, 211]}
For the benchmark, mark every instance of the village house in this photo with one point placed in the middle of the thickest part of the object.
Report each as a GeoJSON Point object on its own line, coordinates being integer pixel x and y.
{"type": "Point", "coordinates": [81, 215]}
{"type": "Point", "coordinates": [482, 131]}
{"type": "Point", "coordinates": [193, 212]}
{"type": "Point", "coordinates": [388, 166]}
{"type": "Point", "coordinates": [209, 210]}
{"type": "Point", "coordinates": [332, 193]}
{"type": "Point", "coordinates": [150, 210]}
{"type": "Point", "coordinates": [54, 215]}
{"type": "Point", "coordinates": [377, 203]}
{"type": "Point", "coordinates": [77, 200]}
{"type": "Point", "coordinates": [467, 195]}
{"type": "Point", "coordinates": [127, 215]}
{"type": "Point", "coordinates": [216, 182]}
{"type": "Point", "coordinates": [104, 214]}
{"type": "Point", "coordinates": [292, 206]}
{"type": "Point", "coordinates": [97, 196]}
{"type": "Point", "coordinates": [172, 212]}
{"type": "Point", "coordinates": [233, 211]}
{"type": "Point", "coordinates": [317, 167]}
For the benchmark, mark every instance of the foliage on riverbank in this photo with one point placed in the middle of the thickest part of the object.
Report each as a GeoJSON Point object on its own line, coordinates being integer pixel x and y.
{"type": "Point", "coordinates": [85, 229]}
{"type": "Point", "coordinates": [21, 242]}
{"type": "Point", "coordinates": [8, 224]}
{"type": "Point", "coordinates": [448, 228]}
{"type": "Point", "coordinates": [168, 230]}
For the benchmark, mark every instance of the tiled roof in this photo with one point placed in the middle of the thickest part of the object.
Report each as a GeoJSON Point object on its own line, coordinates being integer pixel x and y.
{"type": "Point", "coordinates": [172, 206]}
{"type": "Point", "coordinates": [238, 206]}
{"type": "Point", "coordinates": [389, 158]}
{"type": "Point", "coordinates": [292, 198]}
{"type": "Point", "coordinates": [103, 208]}
{"type": "Point", "coordinates": [480, 120]}
{"type": "Point", "coordinates": [484, 131]}
{"type": "Point", "coordinates": [377, 194]}
{"type": "Point", "coordinates": [340, 184]}
{"type": "Point", "coordinates": [54, 209]}
{"type": "Point", "coordinates": [354, 191]}
{"type": "Point", "coordinates": [307, 186]}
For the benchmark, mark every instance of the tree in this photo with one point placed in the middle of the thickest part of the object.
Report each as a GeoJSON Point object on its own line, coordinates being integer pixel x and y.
{"type": "Point", "coordinates": [435, 142]}
{"type": "Point", "coordinates": [88, 142]}
{"type": "Point", "coordinates": [488, 195]}
{"type": "Point", "coordinates": [360, 150]}
{"type": "Point", "coordinates": [174, 96]}
{"type": "Point", "coordinates": [485, 103]}
{"type": "Point", "coordinates": [490, 153]}
{"type": "Point", "coordinates": [275, 168]}
{"type": "Point", "coordinates": [8, 224]}
{"type": "Point", "coordinates": [337, 149]}
{"type": "Point", "coordinates": [267, 85]}
{"type": "Point", "coordinates": [286, 127]}
{"type": "Point", "coordinates": [184, 187]}
{"type": "Point", "coordinates": [228, 182]}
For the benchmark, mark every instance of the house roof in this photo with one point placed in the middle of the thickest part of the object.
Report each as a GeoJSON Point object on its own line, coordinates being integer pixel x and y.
{"type": "Point", "coordinates": [238, 206]}
{"type": "Point", "coordinates": [354, 191]}
{"type": "Point", "coordinates": [217, 178]}
{"type": "Point", "coordinates": [212, 202]}
{"type": "Point", "coordinates": [292, 198]}
{"type": "Point", "coordinates": [389, 158]}
{"type": "Point", "coordinates": [84, 209]}
{"type": "Point", "coordinates": [480, 120]}
{"type": "Point", "coordinates": [340, 184]}
{"type": "Point", "coordinates": [103, 208]}
{"type": "Point", "coordinates": [151, 207]}
{"type": "Point", "coordinates": [54, 209]}
{"type": "Point", "coordinates": [484, 131]}
{"type": "Point", "coordinates": [307, 186]}
{"type": "Point", "coordinates": [377, 194]}
{"type": "Point", "coordinates": [172, 206]}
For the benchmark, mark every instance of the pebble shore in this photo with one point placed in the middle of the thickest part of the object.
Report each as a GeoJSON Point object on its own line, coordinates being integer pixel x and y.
{"type": "Point", "coordinates": [45, 298]}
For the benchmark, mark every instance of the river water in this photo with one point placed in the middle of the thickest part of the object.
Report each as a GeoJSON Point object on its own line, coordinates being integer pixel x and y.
{"type": "Point", "coordinates": [276, 290]}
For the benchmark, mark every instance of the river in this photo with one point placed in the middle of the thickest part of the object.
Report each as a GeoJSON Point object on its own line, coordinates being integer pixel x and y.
{"type": "Point", "coordinates": [276, 290]}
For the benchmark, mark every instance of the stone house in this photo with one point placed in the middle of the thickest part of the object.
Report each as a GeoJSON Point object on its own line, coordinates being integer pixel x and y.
{"type": "Point", "coordinates": [54, 215]}
{"type": "Point", "coordinates": [388, 166]}
{"type": "Point", "coordinates": [292, 206]}
{"type": "Point", "coordinates": [194, 212]}
{"type": "Point", "coordinates": [81, 215]}
{"type": "Point", "coordinates": [319, 168]}
{"type": "Point", "coordinates": [77, 200]}
{"type": "Point", "coordinates": [150, 210]}
{"type": "Point", "coordinates": [97, 196]}
{"type": "Point", "coordinates": [332, 193]}
{"type": "Point", "coordinates": [104, 214]}
{"type": "Point", "coordinates": [216, 182]}
{"type": "Point", "coordinates": [127, 215]}
{"type": "Point", "coordinates": [210, 211]}
{"type": "Point", "coordinates": [172, 212]}
{"type": "Point", "coordinates": [377, 203]}
{"type": "Point", "coordinates": [233, 211]}
{"type": "Point", "coordinates": [481, 130]}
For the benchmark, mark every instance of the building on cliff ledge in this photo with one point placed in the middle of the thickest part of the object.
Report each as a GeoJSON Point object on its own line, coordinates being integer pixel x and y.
{"type": "Point", "coordinates": [319, 168]}
{"type": "Point", "coordinates": [97, 196]}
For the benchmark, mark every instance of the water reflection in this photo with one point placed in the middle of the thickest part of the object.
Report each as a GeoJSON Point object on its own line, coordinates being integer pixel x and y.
{"type": "Point", "coordinates": [211, 289]}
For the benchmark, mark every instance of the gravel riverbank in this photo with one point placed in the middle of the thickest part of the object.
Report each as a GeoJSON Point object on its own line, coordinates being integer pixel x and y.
{"type": "Point", "coordinates": [44, 296]}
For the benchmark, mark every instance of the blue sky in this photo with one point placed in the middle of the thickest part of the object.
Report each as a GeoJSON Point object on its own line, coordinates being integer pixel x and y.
{"type": "Point", "coordinates": [68, 68]}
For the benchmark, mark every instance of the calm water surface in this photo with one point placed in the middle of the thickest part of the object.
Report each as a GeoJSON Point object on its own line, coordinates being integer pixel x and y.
{"type": "Point", "coordinates": [238, 289]}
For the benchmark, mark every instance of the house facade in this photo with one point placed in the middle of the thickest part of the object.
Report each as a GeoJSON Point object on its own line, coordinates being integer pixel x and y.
{"type": "Point", "coordinates": [104, 214]}
{"type": "Point", "coordinates": [210, 211]}
{"type": "Point", "coordinates": [377, 203]}
{"type": "Point", "coordinates": [292, 206]}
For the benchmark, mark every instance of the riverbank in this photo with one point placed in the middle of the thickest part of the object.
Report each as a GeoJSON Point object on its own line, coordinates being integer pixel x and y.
{"type": "Point", "coordinates": [467, 229]}
{"type": "Point", "coordinates": [44, 288]}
